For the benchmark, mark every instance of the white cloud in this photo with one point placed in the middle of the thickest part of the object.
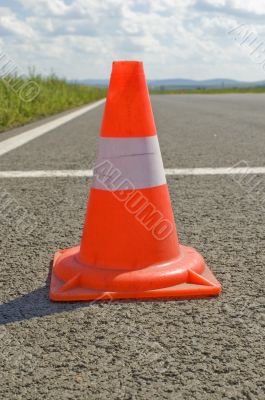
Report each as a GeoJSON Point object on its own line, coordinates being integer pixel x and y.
{"type": "Point", "coordinates": [45, 7]}
{"type": "Point", "coordinates": [10, 24]}
{"type": "Point", "coordinates": [175, 38]}
{"type": "Point", "coordinates": [255, 6]}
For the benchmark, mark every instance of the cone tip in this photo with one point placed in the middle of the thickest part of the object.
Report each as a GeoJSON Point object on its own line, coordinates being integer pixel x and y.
{"type": "Point", "coordinates": [126, 67]}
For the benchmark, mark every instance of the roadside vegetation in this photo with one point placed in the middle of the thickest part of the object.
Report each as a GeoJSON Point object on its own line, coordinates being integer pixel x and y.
{"type": "Point", "coordinates": [23, 100]}
{"type": "Point", "coordinates": [208, 90]}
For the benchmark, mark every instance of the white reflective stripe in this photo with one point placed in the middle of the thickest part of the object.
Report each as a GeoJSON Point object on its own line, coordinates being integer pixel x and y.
{"type": "Point", "coordinates": [124, 163]}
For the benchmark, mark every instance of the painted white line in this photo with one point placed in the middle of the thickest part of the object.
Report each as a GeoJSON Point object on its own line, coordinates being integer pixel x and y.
{"type": "Point", "coordinates": [215, 171]}
{"type": "Point", "coordinates": [47, 174]}
{"type": "Point", "coordinates": [25, 137]}
{"type": "Point", "coordinates": [169, 171]}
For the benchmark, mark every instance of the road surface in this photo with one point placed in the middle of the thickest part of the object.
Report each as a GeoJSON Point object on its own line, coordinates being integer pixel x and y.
{"type": "Point", "coordinates": [190, 349]}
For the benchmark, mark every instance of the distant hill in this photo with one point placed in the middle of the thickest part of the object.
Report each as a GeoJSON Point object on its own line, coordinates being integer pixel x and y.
{"type": "Point", "coordinates": [210, 83]}
{"type": "Point", "coordinates": [183, 83]}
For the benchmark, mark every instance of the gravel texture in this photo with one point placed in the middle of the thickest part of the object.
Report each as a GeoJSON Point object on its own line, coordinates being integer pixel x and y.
{"type": "Point", "coordinates": [208, 349]}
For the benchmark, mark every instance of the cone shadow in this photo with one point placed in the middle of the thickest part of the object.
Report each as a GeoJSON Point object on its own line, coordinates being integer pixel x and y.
{"type": "Point", "coordinates": [33, 305]}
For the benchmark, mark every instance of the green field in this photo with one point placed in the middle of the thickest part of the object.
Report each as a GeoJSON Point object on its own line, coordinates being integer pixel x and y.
{"type": "Point", "coordinates": [53, 95]}
{"type": "Point", "coordinates": [208, 90]}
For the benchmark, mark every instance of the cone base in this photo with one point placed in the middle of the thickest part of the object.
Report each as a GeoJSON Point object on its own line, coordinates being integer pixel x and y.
{"type": "Point", "coordinates": [197, 285]}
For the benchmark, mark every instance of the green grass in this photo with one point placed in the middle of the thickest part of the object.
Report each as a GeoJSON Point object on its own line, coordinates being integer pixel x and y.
{"type": "Point", "coordinates": [55, 95]}
{"type": "Point", "coordinates": [208, 91]}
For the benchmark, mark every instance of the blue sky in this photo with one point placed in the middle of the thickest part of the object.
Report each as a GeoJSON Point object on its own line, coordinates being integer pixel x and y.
{"type": "Point", "coordinates": [78, 39]}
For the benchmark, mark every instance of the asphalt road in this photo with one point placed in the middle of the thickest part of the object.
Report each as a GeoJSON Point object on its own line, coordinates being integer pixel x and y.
{"type": "Point", "coordinates": [191, 349]}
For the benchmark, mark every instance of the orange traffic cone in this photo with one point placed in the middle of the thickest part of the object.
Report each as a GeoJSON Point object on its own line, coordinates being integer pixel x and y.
{"type": "Point", "coordinates": [129, 247]}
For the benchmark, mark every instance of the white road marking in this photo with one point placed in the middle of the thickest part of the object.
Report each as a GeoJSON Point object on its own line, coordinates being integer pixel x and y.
{"type": "Point", "coordinates": [25, 137]}
{"type": "Point", "coordinates": [47, 174]}
{"type": "Point", "coordinates": [215, 171]}
{"type": "Point", "coordinates": [169, 171]}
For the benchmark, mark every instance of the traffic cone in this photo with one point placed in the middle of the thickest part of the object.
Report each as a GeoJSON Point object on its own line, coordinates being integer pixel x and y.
{"type": "Point", "coordinates": [129, 247]}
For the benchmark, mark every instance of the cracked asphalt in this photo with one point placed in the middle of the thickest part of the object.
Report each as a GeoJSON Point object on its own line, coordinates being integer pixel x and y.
{"type": "Point", "coordinates": [208, 349]}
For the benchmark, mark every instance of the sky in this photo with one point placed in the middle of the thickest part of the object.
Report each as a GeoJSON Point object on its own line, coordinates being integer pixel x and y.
{"type": "Point", "coordinates": [79, 39]}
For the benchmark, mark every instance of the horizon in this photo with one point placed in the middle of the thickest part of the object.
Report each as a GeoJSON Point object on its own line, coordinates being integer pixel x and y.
{"type": "Point", "coordinates": [177, 78]}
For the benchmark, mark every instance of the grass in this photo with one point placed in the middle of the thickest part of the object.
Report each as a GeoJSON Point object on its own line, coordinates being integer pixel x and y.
{"type": "Point", "coordinates": [208, 90]}
{"type": "Point", "coordinates": [53, 95]}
